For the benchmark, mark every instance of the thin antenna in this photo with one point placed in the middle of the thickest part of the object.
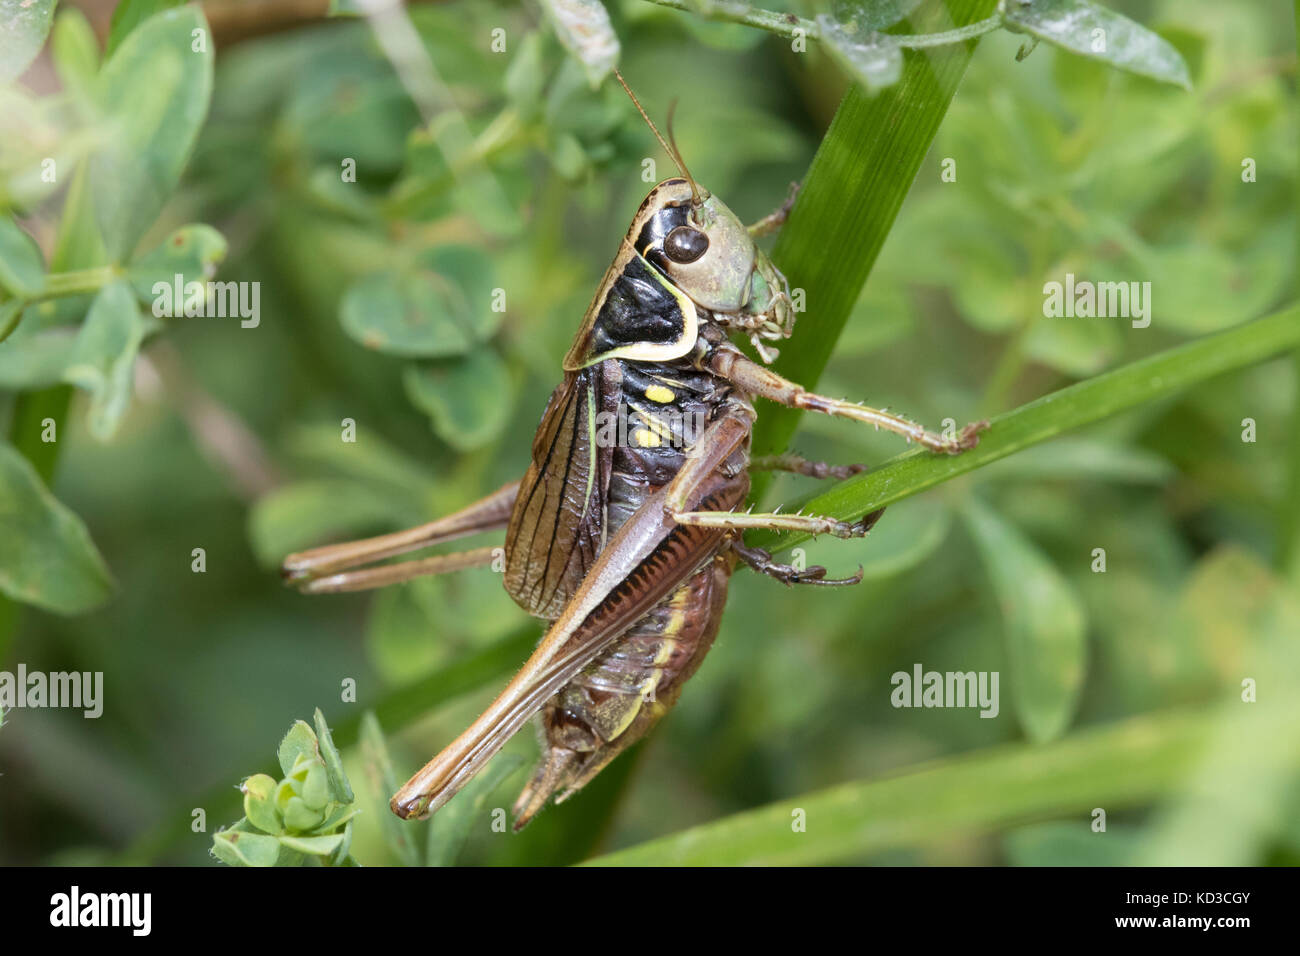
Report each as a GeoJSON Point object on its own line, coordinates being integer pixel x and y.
{"type": "Point", "coordinates": [671, 150]}
{"type": "Point", "coordinates": [695, 189]}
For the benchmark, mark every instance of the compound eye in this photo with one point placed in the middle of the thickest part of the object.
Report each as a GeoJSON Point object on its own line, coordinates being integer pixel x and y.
{"type": "Point", "coordinates": [685, 244]}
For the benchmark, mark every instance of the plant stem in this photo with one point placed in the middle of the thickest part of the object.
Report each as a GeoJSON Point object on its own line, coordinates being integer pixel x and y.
{"type": "Point", "coordinates": [1077, 405]}
{"type": "Point", "coordinates": [782, 24]}
{"type": "Point", "coordinates": [60, 284]}
{"type": "Point", "coordinates": [970, 31]}
{"type": "Point", "coordinates": [79, 282]}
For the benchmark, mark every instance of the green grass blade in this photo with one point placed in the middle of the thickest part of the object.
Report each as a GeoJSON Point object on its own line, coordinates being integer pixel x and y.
{"type": "Point", "coordinates": [1124, 764]}
{"type": "Point", "coordinates": [850, 197]}
{"type": "Point", "coordinates": [1081, 404]}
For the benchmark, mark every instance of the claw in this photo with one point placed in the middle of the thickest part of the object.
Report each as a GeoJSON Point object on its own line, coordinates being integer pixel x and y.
{"type": "Point", "coordinates": [969, 437]}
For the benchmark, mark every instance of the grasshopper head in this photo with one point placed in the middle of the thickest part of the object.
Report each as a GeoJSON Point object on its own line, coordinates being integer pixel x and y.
{"type": "Point", "coordinates": [701, 246]}
{"type": "Point", "coordinates": [691, 239]}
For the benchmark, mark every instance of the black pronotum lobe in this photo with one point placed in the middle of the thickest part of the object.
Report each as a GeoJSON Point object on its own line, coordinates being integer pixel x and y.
{"type": "Point", "coordinates": [637, 309]}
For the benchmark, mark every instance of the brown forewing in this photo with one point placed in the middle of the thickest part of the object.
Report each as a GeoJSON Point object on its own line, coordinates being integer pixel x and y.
{"type": "Point", "coordinates": [558, 524]}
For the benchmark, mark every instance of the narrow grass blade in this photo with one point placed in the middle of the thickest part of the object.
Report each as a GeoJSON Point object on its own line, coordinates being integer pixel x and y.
{"type": "Point", "coordinates": [1146, 380]}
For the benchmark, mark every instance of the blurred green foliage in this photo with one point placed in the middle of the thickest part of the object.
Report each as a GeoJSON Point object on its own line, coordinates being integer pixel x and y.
{"type": "Point", "coordinates": [508, 171]}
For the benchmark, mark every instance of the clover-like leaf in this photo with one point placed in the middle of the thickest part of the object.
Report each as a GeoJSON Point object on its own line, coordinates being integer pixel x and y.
{"type": "Point", "coordinates": [870, 58]}
{"type": "Point", "coordinates": [75, 51]}
{"type": "Point", "coordinates": [46, 555]}
{"type": "Point", "coordinates": [128, 15]}
{"type": "Point", "coordinates": [103, 356]}
{"type": "Point", "coordinates": [22, 272]}
{"type": "Point", "coordinates": [24, 25]}
{"type": "Point", "coordinates": [259, 803]}
{"type": "Point", "coordinates": [153, 93]}
{"type": "Point", "coordinates": [872, 14]}
{"type": "Point", "coordinates": [1044, 623]}
{"type": "Point", "coordinates": [242, 848]}
{"type": "Point", "coordinates": [190, 254]}
{"type": "Point", "coordinates": [313, 845]}
{"type": "Point", "coordinates": [298, 742]}
{"type": "Point", "coordinates": [467, 398]}
{"type": "Point", "coordinates": [1100, 34]}
{"type": "Point", "coordinates": [583, 27]}
{"type": "Point", "coordinates": [439, 309]}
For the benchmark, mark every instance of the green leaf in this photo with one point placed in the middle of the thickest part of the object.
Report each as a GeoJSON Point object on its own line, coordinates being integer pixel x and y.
{"type": "Point", "coordinates": [1044, 624]}
{"type": "Point", "coordinates": [313, 845]}
{"type": "Point", "coordinates": [400, 628]}
{"type": "Point", "coordinates": [79, 244]}
{"type": "Point", "coordinates": [46, 555]}
{"type": "Point", "coordinates": [154, 93]}
{"type": "Point", "coordinates": [307, 513]}
{"type": "Point", "coordinates": [340, 855]}
{"type": "Point", "coordinates": [33, 360]}
{"type": "Point", "coordinates": [567, 156]}
{"type": "Point", "coordinates": [339, 787]}
{"type": "Point", "coordinates": [316, 788]}
{"type": "Point", "coordinates": [259, 804]}
{"type": "Point", "coordinates": [240, 848]}
{"type": "Point", "coordinates": [1077, 347]}
{"type": "Point", "coordinates": [299, 742]}
{"type": "Point", "coordinates": [75, 51]}
{"type": "Point", "coordinates": [1115, 766]}
{"type": "Point", "coordinates": [11, 313]}
{"type": "Point", "coordinates": [525, 78]}
{"type": "Point", "coordinates": [850, 197]}
{"type": "Point", "coordinates": [444, 309]}
{"type": "Point", "coordinates": [583, 27]}
{"type": "Point", "coordinates": [1070, 844]}
{"type": "Point", "coordinates": [468, 399]}
{"type": "Point", "coordinates": [1205, 289]}
{"type": "Point", "coordinates": [377, 464]}
{"type": "Point", "coordinates": [128, 15]}
{"type": "Point", "coordinates": [872, 59]}
{"type": "Point", "coordinates": [298, 817]}
{"type": "Point", "coordinates": [383, 784]}
{"type": "Point", "coordinates": [103, 356]}
{"type": "Point", "coordinates": [478, 193]}
{"type": "Point", "coordinates": [336, 819]}
{"type": "Point", "coordinates": [449, 828]}
{"type": "Point", "coordinates": [1099, 34]}
{"type": "Point", "coordinates": [872, 14]}
{"type": "Point", "coordinates": [22, 271]}
{"type": "Point", "coordinates": [193, 252]}
{"type": "Point", "coordinates": [23, 27]}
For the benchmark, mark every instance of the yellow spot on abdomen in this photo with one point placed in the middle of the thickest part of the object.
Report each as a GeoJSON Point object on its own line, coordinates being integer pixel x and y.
{"type": "Point", "coordinates": [645, 438]}
{"type": "Point", "coordinates": [659, 393]}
